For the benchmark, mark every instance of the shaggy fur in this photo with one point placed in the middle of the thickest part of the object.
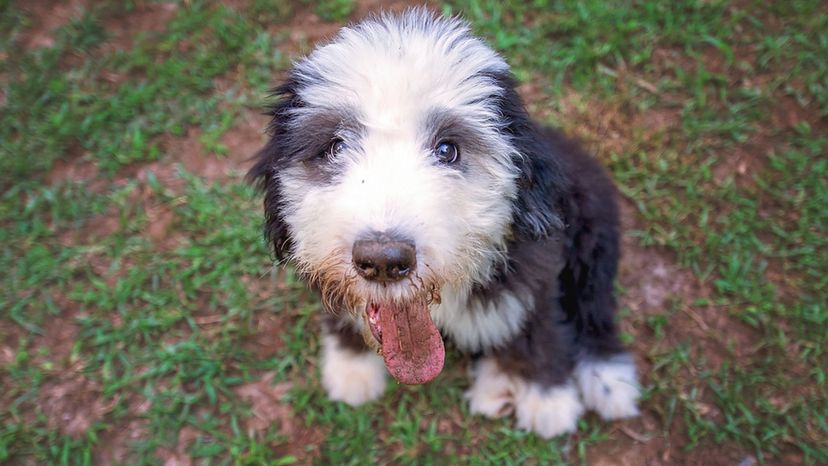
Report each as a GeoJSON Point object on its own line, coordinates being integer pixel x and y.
{"type": "Point", "coordinates": [516, 240]}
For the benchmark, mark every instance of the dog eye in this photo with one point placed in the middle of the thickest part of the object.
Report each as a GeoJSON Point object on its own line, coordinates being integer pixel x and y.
{"type": "Point", "coordinates": [337, 147]}
{"type": "Point", "coordinates": [447, 152]}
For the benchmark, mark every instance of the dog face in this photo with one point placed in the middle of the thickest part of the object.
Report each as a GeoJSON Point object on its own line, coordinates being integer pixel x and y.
{"type": "Point", "coordinates": [396, 168]}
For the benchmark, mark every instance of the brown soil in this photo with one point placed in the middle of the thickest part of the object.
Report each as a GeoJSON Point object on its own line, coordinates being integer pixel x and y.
{"type": "Point", "coordinates": [269, 409]}
{"type": "Point", "coordinates": [116, 440]}
{"type": "Point", "coordinates": [47, 16]}
{"type": "Point", "coordinates": [264, 341]}
{"type": "Point", "coordinates": [145, 18]}
{"type": "Point", "coordinates": [179, 456]}
{"type": "Point", "coordinates": [75, 170]}
{"type": "Point", "coordinates": [265, 399]}
{"type": "Point", "coordinates": [242, 141]}
{"type": "Point", "coordinates": [73, 403]}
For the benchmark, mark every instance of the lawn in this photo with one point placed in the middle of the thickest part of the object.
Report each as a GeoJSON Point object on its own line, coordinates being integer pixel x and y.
{"type": "Point", "coordinates": [143, 321]}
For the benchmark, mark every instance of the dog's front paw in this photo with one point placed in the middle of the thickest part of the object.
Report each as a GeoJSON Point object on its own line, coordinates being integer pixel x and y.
{"type": "Point", "coordinates": [493, 393]}
{"type": "Point", "coordinates": [548, 411]}
{"type": "Point", "coordinates": [355, 378]}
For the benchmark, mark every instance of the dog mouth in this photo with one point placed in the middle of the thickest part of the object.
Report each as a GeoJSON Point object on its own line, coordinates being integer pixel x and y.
{"type": "Point", "coordinates": [409, 341]}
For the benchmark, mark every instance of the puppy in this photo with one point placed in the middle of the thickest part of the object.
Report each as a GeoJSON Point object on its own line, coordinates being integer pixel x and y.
{"type": "Point", "coordinates": [405, 182]}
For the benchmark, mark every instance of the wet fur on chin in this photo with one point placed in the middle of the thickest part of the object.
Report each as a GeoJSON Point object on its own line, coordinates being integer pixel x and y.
{"type": "Point", "coordinates": [517, 242]}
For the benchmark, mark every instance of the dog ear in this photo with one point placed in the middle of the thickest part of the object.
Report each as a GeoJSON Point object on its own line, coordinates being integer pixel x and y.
{"type": "Point", "coordinates": [537, 212]}
{"type": "Point", "coordinates": [269, 159]}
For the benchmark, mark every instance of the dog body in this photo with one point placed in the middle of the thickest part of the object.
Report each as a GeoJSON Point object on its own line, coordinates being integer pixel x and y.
{"type": "Point", "coordinates": [406, 182]}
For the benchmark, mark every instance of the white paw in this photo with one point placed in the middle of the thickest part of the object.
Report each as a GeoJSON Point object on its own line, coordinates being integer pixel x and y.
{"type": "Point", "coordinates": [609, 387]}
{"type": "Point", "coordinates": [354, 378]}
{"type": "Point", "coordinates": [493, 393]}
{"type": "Point", "coordinates": [550, 411]}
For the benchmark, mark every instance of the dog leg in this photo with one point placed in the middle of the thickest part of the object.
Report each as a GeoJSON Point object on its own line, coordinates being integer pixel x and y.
{"type": "Point", "coordinates": [351, 372]}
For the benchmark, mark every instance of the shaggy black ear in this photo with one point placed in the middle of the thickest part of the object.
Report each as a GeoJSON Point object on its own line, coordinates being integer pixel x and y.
{"type": "Point", "coordinates": [537, 212]}
{"type": "Point", "coordinates": [268, 161]}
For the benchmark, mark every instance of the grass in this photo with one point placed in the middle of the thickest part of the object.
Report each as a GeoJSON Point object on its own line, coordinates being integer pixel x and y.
{"type": "Point", "coordinates": [140, 298]}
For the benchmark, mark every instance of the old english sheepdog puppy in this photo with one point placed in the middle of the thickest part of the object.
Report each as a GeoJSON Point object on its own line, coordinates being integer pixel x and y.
{"type": "Point", "coordinates": [406, 183]}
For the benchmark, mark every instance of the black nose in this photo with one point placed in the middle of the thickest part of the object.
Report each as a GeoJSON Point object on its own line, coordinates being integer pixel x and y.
{"type": "Point", "coordinates": [384, 258]}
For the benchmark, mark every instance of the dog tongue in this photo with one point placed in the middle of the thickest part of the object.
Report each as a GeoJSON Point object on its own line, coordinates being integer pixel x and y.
{"type": "Point", "coordinates": [411, 344]}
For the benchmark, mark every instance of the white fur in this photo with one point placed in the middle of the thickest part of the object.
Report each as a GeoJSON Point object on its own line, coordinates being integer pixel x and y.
{"type": "Point", "coordinates": [492, 393]}
{"type": "Point", "coordinates": [473, 325]}
{"type": "Point", "coordinates": [546, 411]}
{"type": "Point", "coordinates": [392, 73]}
{"type": "Point", "coordinates": [609, 387]}
{"type": "Point", "coordinates": [354, 378]}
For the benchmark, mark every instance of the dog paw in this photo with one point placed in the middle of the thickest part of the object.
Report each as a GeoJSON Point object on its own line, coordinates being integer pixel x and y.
{"type": "Point", "coordinates": [492, 393]}
{"type": "Point", "coordinates": [609, 386]}
{"type": "Point", "coordinates": [548, 411]}
{"type": "Point", "coordinates": [355, 378]}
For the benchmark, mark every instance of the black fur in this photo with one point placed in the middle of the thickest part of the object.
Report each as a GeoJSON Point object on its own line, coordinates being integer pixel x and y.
{"type": "Point", "coordinates": [564, 252]}
{"type": "Point", "coordinates": [273, 156]}
{"type": "Point", "coordinates": [543, 182]}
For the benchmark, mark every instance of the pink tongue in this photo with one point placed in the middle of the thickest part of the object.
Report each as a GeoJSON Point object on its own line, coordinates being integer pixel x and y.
{"type": "Point", "coordinates": [411, 344]}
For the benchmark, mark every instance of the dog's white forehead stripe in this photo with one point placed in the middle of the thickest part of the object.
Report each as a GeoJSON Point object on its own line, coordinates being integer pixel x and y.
{"type": "Point", "coordinates": [393, 69]}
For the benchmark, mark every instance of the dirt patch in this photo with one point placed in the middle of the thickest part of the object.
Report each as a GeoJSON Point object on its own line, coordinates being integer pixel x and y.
{"type": "Point", "coordinates": [159, 227]}
{"type": "Point", "coordinates": [741, 163]}
{"type": "Point", "coordinates": [160, 217]}
{"type": "Point", "coordinates": [243, 140]}
{"type": "Point", "coordinates": [125, 26]}
{"type": "Point", "coordinates": [144, 17]}
{"type": "Point", "coordinates": [97, 227]}
{"type": "Point", "coordinates": [266, 341]}
{"type": "Point", "coordinates": [47, 16]}
{"type": "Point", "coordinates": [603, 126]}
{"type": "Point", "coordinates": [654, 284]}
{"type": "Point", "coordinates": [789, 114]}
{"type": "Point", "coordinates": [179, 455]}
{"type": "Point", "coordinates": [635, 442]}
{"type": "Point", "coordinates": [269, 409]}
{"type": "Point", "coordinates": [267, 326]}
{"type": "Point", "coordinates": [650, 279]}
{"type": "Point", "coordinates": [537, 100]}
{"type": "Point", "coordinates": [265, 399]}
{"type": "Point", "coordinates": [75, 170]}
{"type": "Point", "coordinates": [658, 120]}
{"type": "Point", "coordinates": [72, 403]}
{"type": "Point", "coordinates": [303, 32]}
{"type": "Point", "coordinates": [115, 442]}
{"type": "Point", "coordinates": [9, 341]}
{"type": "Point", "coordinates": [630, 445]}
{"type": "Point", "coordinates": [59, 333]}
